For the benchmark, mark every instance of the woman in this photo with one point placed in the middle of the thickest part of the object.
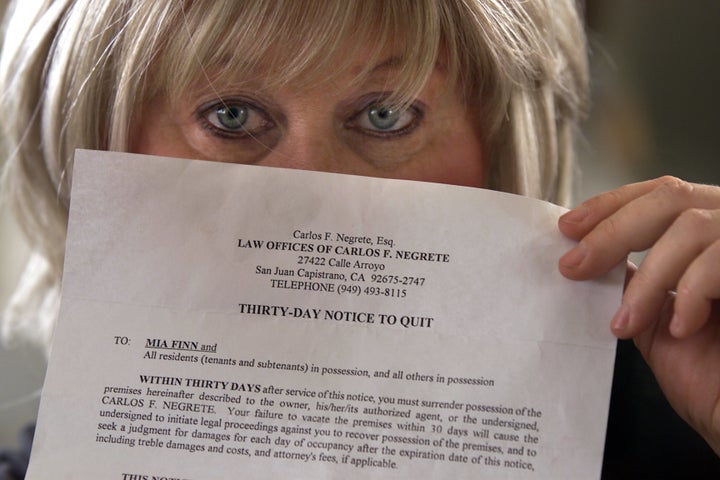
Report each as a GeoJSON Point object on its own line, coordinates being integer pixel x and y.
{"type": "Point", "coordinates": [479, 93]}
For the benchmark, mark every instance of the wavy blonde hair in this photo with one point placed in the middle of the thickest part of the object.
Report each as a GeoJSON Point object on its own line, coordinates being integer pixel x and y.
{"type": "Point", "coordinates": [74, 72]}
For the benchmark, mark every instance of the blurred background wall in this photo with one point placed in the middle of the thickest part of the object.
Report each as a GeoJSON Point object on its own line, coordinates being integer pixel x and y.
{"type": "Point", "coordinates": [656, 98]}
{"type": "Point", "coordinates": [656, 80]}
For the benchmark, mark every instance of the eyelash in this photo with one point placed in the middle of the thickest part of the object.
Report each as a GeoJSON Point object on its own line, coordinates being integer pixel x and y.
{"type": "Point", "coordinates": [415, 109]}
{"type": "Point", "coordinates": [204, 112]}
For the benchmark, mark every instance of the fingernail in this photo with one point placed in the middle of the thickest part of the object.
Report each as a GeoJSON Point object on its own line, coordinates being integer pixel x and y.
{"type": "Point", "coordinates": [576, 215]}
{"type": "Point", "coordinates": [621, 319]}
{"type": "Point", "coordinates": [574, 257]}
{"type": "Point", "coordinates": [676, 326]}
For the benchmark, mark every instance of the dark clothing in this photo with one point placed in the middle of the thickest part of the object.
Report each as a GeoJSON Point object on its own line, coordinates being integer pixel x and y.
{"type": "Point", "coordinates": [646, 439]}
{"type": "Point", "coordinates": [13, 463]}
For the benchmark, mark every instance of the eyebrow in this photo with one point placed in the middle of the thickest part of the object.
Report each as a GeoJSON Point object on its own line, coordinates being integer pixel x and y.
{"type": "Point", "coordinates": [395, 61]}
{"type": "Point", "coordinates": [391, 62]}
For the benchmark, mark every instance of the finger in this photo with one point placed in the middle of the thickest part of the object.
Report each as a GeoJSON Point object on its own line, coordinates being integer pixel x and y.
{"type": "Point", "coordinates": [636, 226]}
{"type": "Point", "coordinates": [630, 269]}
{"type": "Point", "coordinates": [661, 330]}
{"type": "Point", "coordinates": [580, 220]}
{"type": "Point", "coordinates": [698, 290]}
{"type": "Point", "coordinates": [661, 271]}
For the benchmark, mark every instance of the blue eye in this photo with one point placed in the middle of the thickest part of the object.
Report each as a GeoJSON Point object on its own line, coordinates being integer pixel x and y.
{"type": "Point", "coordinates": [235, 118]}
{"type": "Point", "coordinates": [382, 117]}
{"type": "Point", "coordinates": [232, 117]}
{"type": "Point", "coordinates": [379, 118]}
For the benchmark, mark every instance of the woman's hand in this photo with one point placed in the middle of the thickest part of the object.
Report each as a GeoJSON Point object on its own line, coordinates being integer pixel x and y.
{"type": "Point", "coordinates": [671, 304]}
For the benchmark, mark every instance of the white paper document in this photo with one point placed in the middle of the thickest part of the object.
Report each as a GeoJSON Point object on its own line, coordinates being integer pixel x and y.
{"type": "Point", "coordinates": [224, 321]}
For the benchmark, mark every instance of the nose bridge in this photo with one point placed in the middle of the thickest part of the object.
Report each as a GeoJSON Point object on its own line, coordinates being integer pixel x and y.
{"type": "Point", "coordinates": [308, 142]}
{"type": "Point", "coordinates": [304, 151]}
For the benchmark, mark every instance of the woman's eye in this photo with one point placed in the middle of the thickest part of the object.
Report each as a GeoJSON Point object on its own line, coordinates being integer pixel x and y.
{"type": "Point", "coordinates": [235, 119]}
{"type": "Point", "coordinates": [231, 117]}
{"type": "Point", "coordinates": [379, 118]}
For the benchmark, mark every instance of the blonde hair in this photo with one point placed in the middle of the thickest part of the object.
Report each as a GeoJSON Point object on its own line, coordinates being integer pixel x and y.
{"type": "Point", "coordinates": [74, 72]}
